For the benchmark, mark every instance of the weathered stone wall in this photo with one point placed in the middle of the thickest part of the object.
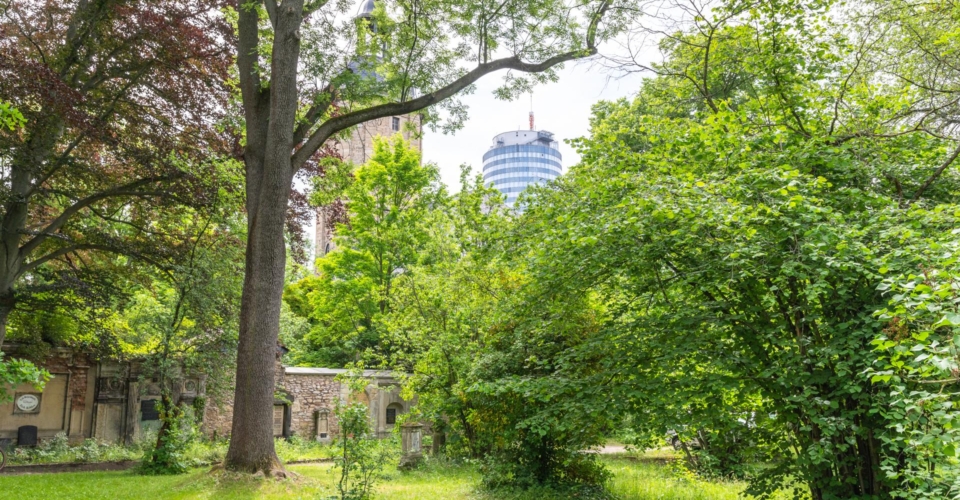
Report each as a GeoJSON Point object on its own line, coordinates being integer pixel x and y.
{"type": "Point", "coordinates": [312, 394]}
{"type": "Point", "coordinates": [218, 412]}
{"type": "Point", "coordinates": [359, 147]}
{"type": "Point", "coordinates": [218, 418]}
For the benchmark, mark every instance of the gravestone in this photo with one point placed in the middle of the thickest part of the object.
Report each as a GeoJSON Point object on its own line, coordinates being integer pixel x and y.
{"type": "Point", "coordinates": [27, 435]}
{"type": "Point", "coordinates": [411, 439]}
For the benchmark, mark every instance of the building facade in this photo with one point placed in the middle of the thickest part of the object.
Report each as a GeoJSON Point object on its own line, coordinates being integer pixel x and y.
{"type": "Point", "coordinates": [115, 402]}
{"type": "Point", "coordinates": [519, 159]}
{"type": "Point", "coordinates": [307, 398]}
{"type": "Point", "coordinates": [89, 398]}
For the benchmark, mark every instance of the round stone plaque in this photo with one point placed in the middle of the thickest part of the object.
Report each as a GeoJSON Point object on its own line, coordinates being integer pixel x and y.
{"type": "Point", "coordinates": [28, 403]}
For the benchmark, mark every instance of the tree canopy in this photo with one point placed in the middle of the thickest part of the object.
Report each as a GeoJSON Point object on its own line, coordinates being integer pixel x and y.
{"type": "Point", "coordinates": [754, 255]}
{"type": "Point", "coordinates": [117, 104]}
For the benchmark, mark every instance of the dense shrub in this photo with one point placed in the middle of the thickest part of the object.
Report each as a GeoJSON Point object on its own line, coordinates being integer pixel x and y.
{"type": "Point", "coordinates": [520, 467]}
{"type": "Point", "coordinates": [179, 429]}
{"type": "Point", "coordinates": [360, 457]}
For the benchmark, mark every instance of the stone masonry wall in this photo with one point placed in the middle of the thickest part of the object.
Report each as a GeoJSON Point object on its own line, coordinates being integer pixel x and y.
{"type": "Point", "coordinates": [311, 393]}
{"type": "Point", "coordinates": [218, 413]}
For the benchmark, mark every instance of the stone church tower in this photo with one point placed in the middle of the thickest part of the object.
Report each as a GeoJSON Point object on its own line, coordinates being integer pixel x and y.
{"type": "Point", "coordinates": [359, 148]}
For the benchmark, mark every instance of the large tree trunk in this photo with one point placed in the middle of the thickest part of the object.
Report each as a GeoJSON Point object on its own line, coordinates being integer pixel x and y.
{"type": "Point", "coordinates": [270, 123]}
{"type": "Point", "coordinates": [251, 440]}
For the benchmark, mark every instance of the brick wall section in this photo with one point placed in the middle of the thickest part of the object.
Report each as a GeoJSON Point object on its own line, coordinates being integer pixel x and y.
{"type": "Point", "coordinates": [77, 365]}
{"type": "Point", "coordinates": [311, 393]}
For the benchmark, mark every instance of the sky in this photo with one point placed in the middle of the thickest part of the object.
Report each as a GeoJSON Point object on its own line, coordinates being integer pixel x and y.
{"type": "Point", "coordinates": [562, 107]}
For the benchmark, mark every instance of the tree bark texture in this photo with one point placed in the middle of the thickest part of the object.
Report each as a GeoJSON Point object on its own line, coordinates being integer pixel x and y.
{"type": "Point", "coordinates": [270, 122]}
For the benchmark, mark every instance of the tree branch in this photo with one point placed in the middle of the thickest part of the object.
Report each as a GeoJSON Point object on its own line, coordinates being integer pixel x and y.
{"type": "Point", "coordinates": [312, 6]}
{"type": "Point", "coordinates": [313, 114]}
{"type": "Point", "coordinates": [129, 189]}
{"type": "Point", "coordinates": [936, 174]}
{"type": "Point", "coordinates": [271, 6]}
{"type": "Point", "coordinates": [80, 246]}
{"type": "Point", "coordinates": [342, 122]}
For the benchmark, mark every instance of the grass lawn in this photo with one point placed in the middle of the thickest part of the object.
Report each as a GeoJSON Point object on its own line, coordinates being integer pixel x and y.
{"type": "Point", "coordinates": [633, 480]}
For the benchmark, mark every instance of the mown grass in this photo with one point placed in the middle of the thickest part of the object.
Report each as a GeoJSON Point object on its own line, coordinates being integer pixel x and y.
{"type": "Point", "coordinates": [633, 480]}
{"type": "Point", "coordinates": [654, 479]}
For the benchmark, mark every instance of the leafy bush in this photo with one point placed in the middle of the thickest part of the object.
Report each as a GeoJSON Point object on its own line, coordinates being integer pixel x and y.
{"type": "Point", "coordinates": [361, 457]}
{"type": "Point", "coordinates": [58, 450]}
{"type": "Point", "coordinates": [919, 366]}
{"type": "Point", "coordinates": [177, 432]}
{"type": "Point", "coordinates": [526, 467]}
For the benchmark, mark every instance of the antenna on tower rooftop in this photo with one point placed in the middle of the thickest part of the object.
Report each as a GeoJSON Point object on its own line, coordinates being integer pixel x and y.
{"type": "Point", "coordinates": [531, 110]}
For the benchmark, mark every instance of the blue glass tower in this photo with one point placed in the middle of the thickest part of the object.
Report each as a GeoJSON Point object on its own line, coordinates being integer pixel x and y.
{"type": "Point", "coordinates": [520, 158]}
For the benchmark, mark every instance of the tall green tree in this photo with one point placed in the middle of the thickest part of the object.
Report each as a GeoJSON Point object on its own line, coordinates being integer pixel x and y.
{"type": "Point", "coordinates": [305, 77]}
{"type": "Point", "coordinates": [387, 201]}
{"type": "Point", "coordinates": [442, 308]}
{"type": "Point", "coordinates": [736, 220]}
{"type": "Point", "coordinates": [184, 323]}
{"type": "Point", "coordinates": [117, 102]}
{"type": "Point", "coordinates": [16, 372]}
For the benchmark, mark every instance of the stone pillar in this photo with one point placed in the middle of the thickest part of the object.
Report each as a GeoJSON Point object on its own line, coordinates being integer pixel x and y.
{"type": "Point", "coordinates": [411, 437]}
{"type": "Point", "coordinates": [132, 414]}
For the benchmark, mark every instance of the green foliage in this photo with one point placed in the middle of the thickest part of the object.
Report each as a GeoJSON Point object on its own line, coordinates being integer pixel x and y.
{"type": "Point", "coordinates": [388, 199]}
{"type": "Point", "coordinates": [18, 371]}
{"type": "Point", "coordinates": [731, 227]}
{"type": "Point", "coordinates": [10, 117]}
{"type": "Point", "coordinates": [58, 450]}
{"type": "Point", "coordinates": [713, 268]}
{"type": "Point", "coordinates": [918, 365]}
{"type": "Point", "coordinates": [442, 307]}
{"type": "Point", "coordinates": [361, 456]}
{"type": "Point", "coordinates": [178, 430]}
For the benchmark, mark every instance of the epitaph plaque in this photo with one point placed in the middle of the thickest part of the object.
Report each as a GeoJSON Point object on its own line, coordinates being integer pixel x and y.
{"type": "Point", "coordinates": [410, 442]}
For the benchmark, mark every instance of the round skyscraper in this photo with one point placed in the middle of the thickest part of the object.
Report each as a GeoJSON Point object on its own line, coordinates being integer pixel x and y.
{"type": "Point", "coordinates": [520, 158]}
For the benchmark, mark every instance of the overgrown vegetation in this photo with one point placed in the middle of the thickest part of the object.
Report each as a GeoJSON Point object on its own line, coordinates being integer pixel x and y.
{"type": "Point", "coordinates": [198, 452]}
{"type": "Point", "coordinates": [360, 457]}
{"type": "Point", "coordinates": [58, 450]}
{"type": "Point", "coordinates": [755, 255]}
{"type": "Point", "coordinates": [176, 433]}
